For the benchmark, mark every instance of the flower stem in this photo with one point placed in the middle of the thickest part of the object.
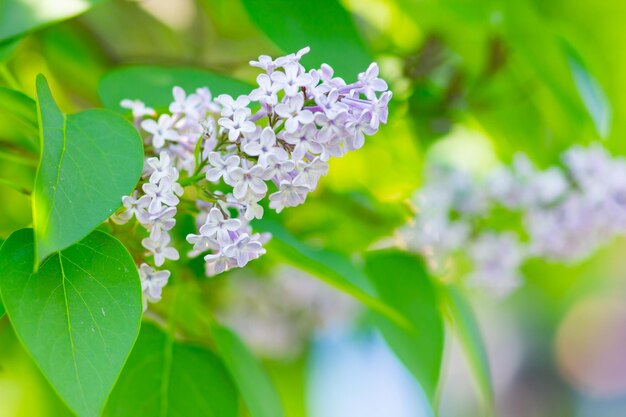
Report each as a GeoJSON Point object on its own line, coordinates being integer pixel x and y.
{"type": "Point", "coordinates": [191, 180]}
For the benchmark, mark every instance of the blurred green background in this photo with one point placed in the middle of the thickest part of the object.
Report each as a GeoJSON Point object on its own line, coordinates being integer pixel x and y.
{"type": "Point", "coordinates": [474, 82]}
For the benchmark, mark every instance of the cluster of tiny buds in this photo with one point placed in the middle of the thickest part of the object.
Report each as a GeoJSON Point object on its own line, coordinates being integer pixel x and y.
{"type": "Point", "coordinates": [566, 211]}
{"type": "Point", "coordinates": [278, 139]}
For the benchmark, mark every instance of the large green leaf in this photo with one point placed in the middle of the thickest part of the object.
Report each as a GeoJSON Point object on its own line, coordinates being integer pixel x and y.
{"type": "Point", "coordinates": [78, 315]}
{"type": "Point", "coordinates": [464, 323]}
{"type": "Point", "coordinates": [255, 386]}
{"type": "Point", "coordinates": [165, 378]}
{"type": "Point", "coordinates": [402, 281]}
{"type": "Point", "coordinates": [323, 25]}
{"type": "Point", "coordinates": [20, 16]}
{"type": "Point", "coordinates": [153, 85]}
{"type": "Point", "coordinates": [89, 160]}
{"type": "Point", "coordinates": [331, 267]}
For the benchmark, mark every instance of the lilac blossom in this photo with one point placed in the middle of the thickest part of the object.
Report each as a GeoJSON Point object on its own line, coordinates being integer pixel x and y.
{"type": "Point", "coordinates": [566, 213]}
{"type": "Point", "coordinates": [229, 149]}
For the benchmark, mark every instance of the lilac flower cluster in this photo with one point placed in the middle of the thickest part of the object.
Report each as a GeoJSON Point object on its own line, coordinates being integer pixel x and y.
{"type": "Point", "coordinates": [566, 212]}
{"type": "Point", "coordinates": [276, 140]}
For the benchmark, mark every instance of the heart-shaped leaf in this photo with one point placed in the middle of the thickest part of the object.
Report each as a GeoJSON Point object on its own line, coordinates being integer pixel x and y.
{"type": "Point", "coordinates": [78, 315]}
{"type": "Point", "coordinates": [165, 378]}
{"type": "Point", "coordinates": [89, 160]}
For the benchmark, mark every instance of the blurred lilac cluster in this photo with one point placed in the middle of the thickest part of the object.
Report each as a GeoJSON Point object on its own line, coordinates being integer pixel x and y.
{"type": "Point", "coordinates": [564, 212]}
{"type": "Point", "coordinates": [276, 140]}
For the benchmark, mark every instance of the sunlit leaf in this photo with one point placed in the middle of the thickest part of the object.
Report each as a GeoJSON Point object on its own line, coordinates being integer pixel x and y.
{"type": "Point", "coordinates": [19, 16]}
{"type": "Point", "coordinates": [153, 85]}
{"type": "Point", "coordinates": [166, 378]}
{"type": "Point", "coordinates": [464, 324]}
{"type": "Point", "coordinates": [323, 25]}
{"type": "Point", "coordinates": [401, 281]}
{"type": "Point", "coordinates": [255, 386]}
{"type": "Point", "coordinates": [78, 315]}
{"type": "Point", "coordinates": [89, 161]}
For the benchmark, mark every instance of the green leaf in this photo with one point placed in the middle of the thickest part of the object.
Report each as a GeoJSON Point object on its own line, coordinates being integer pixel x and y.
{"type": "Point", "coordinates": [464, 323]}
{"type": "Point", "coordinates": [165, 378]}
{"type": "Point", "coordinates": [20, 116]}
{"type": "Point", "coordinates": [254, 384]}
{"type": "Point", "coordinates": [331, 267]}
{"type": "Point", "coordinates": [20, 16]}
{"type": "Point", "coordinates": [402, 281]}
{"type": "Point", "coordinates": [153, 85]}
{"type": "Point", "coordinates": [89, 160]}
{"type": "Point", "coordinates": [78, 316]}
{"type": "Point", "coordinates": [590, 92]}
{"type": "Point", "coordinates": [323, 25]}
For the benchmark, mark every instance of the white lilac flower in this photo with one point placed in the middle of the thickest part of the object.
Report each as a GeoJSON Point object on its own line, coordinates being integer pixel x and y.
{"type": "Point", "coordinates": [293, 113]}
{"type": "Point", "coordinates": [370, 83]}
{"type": "Point", "coordinates": [220, 167]}
{"type": "Point", "coordinates": [310, 172]}
{"type": "Point", "coordinates": [161, 167]}
{"type": "Point", "coordinates": [161, 193]}
{"type": "Point", "coordinates": [230, 105]}
{"type": "Point", "coordinates": [162, 221]}
{"type": "Point", "coordinates": [328, 81]}
{"type": "Point", "coordinates": [161, 130]}
{"type": "Point", "coordinates": [361, 127]}
{"type": "Point", "coordinates": [160, 249]}
{"type": "Point", "coordinates": [283, 132]}
{"type": "Point", "coordinates": [330, 129]}
{"type": "Point", "coordinates": [292, 79]}
{"type": "Point", "coordinates": [566, 213]}
{"type": "Point", "coordinates": [218, 226]}
{"type": "Point", "coordinates": [279, 170]}
{"type": "Point", "coordinates": [292, 58]}
{"type": "Point", "coordinates": [304, 141]}
{"type": "Point", "coordinates": [496, 259]}
{"type": "Point", "coordinates": [138, 108]}
{"type": "Point", "coordinates": [244, 249]}
{"type": "Point", "coordinates": [188, 105]}
{"type": "Point", "coordinates": [152, 283]}
{"type": "Point", "coordinates": [267, 91]}
{"type": "Point", "coordinates": [523, 186]}
{"type": "Point", "coordinates": [248, 180]}
{"type": "Point", "coordinates": [266, 63]}
{"type": "Point", "coordinates": [238, 125]}
{"type": "Point", "coordinates": [218, 262]}
{"type": "Point", "coordinates": [288, 195]}
{"type": "Point", "coordinates": [265, 147]}
{"type": "Point", "coordinates": [133, 206]}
